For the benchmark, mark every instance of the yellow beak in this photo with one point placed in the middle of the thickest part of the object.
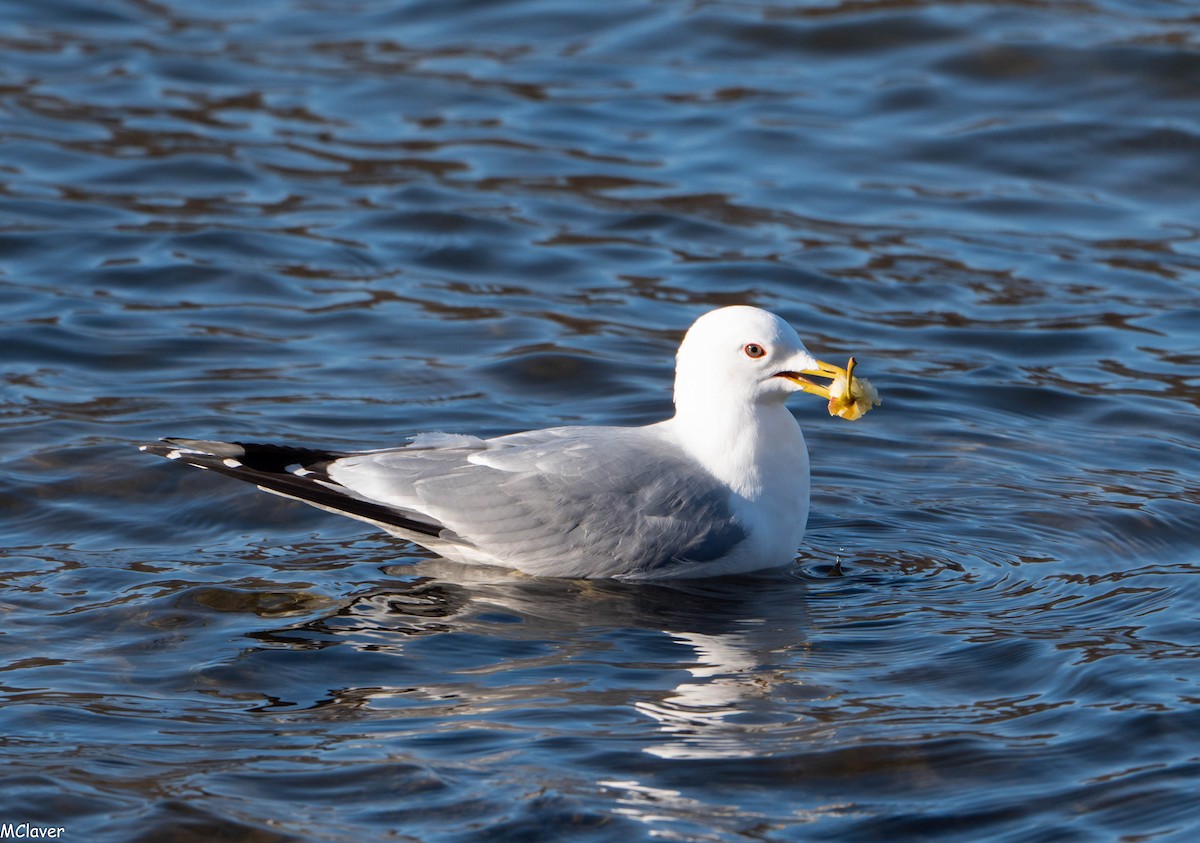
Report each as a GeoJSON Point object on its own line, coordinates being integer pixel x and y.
{"type": "Point", "coordinates": [823, 370]}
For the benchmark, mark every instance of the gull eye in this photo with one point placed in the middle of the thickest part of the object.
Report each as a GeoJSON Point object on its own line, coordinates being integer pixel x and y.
{"type": "Point", "coordinates": [754, 351]}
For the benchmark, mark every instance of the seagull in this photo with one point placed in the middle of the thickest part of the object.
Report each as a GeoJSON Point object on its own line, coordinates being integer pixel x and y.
{"type": "Point", "coordinates": [720, 488]}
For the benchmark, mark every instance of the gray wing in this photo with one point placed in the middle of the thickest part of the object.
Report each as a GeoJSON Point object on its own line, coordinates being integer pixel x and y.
{"type": "Point", "coordinates": [574, 501]}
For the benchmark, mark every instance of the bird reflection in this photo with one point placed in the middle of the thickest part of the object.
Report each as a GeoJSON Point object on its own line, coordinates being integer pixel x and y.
{"type": "Point", "coordinates": [724, 648]}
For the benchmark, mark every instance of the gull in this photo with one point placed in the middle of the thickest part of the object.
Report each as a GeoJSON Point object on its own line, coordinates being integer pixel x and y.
{"type": "Point", "coordinates": [720, 488]}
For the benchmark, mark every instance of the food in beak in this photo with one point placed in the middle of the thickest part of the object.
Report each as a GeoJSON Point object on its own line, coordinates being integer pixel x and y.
{"type": "Point", "coordinates": [849, 397]}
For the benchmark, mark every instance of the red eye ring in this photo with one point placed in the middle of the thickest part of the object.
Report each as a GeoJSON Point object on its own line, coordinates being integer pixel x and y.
{"type": "Point", "coordinates": [754, 351]}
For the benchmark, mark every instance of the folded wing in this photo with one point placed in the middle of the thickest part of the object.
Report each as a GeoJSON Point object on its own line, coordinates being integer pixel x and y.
{"type": "Point", "coordinates": [569, 501]}
{"type": "Point", "coordinates": [563, 501]}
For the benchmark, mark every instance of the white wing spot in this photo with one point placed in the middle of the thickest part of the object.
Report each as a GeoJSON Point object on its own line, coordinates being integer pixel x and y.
{"type": "Point", "coordinates": [232, 463]}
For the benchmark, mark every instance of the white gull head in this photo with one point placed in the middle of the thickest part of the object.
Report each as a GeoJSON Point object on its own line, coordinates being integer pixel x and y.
{"type": "Point", "coordinates": [737, 356]}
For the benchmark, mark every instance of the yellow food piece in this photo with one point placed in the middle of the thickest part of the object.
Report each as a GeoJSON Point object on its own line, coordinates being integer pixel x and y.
{"type": "Point", "coordinates": [851, 398]}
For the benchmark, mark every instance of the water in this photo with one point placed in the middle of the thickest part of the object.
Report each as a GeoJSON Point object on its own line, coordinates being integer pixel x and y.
{"type": "Point", "coordinates": [342, 223]}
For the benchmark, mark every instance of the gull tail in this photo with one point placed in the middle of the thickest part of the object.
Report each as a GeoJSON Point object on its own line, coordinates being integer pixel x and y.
{"type": "Point", "coordinates": [293, 472]}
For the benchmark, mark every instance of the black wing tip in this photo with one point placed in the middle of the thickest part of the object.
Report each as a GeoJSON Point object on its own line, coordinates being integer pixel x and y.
{"type": "Point", "coordinates": [288, 470]}
{"type": "Point", "coordinates": [174, 448]}
{"type": "Point", "coordinates": [262, 456]}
